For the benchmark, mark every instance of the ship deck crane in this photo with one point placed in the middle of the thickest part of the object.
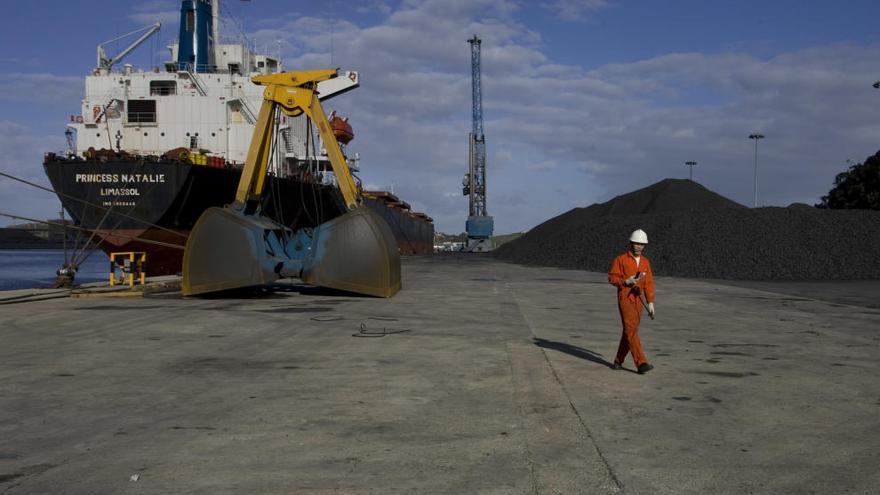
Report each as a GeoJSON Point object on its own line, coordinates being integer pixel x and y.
{"type": "Point", "coordinates": [479, 225]}
{"type": "Point", "coordinates": [236, 247]}
{"type": "Point", "coordinates": [105, 62]}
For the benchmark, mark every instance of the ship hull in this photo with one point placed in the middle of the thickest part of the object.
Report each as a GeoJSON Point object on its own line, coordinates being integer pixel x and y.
{"type": "Point", "coordinates": [414, 235]}
{"type": "Point", "coordinates": [137, 204]}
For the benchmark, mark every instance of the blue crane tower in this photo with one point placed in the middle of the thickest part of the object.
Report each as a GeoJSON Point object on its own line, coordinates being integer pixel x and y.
{"type": "Point", "coordinates": [479, 225]}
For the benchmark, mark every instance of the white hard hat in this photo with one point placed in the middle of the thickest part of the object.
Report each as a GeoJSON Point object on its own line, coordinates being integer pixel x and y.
{"type": "Point", "coordinates": [639, 236]}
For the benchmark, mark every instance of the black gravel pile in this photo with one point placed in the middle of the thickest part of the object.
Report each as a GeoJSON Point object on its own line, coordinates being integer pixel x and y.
{"type": "Point", "coordinates": [696, 233]}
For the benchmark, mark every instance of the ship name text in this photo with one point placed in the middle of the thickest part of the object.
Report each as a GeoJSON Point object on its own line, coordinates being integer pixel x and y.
{"type": "Point", "coordinates": [126, 178]}
{"type": "Point", "coordinates": [119, 191]}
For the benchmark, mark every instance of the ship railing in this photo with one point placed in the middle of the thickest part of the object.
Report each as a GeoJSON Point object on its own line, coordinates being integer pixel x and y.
{"type": "Point", "coordinates": [175, 67]}
{"type": "Point", "coordinates": [199, 68]}
{"type": "Point", "coordinates": [246, 109]}
{"type": "Point", "coordinates": [141, 117]}
{"type": "Point", "coordinates": [196, 80]}
{"type": "Point", "coordinates": [161, 91]}
{"type": "Point", "coordinates": [188, 67]}
{"type": "Point", "coordinates": [99, 110]}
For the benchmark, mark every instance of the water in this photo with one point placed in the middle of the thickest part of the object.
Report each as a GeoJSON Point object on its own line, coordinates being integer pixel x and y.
{"type": "Point", "coordinates": [35, 268]}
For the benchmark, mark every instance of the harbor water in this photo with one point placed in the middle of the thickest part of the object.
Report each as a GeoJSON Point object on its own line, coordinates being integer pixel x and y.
{"type": "Point", "coordinates": [35, 268]}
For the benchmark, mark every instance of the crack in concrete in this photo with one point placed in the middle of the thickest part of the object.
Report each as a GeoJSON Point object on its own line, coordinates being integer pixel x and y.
{"type": "Point", "coordinates": [618, 484]}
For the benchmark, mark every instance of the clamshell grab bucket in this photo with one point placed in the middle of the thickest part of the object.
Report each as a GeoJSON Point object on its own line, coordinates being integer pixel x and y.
{"type": "Point", "coordinates": [228, 249]}
{"type": "Point", "coordinates": [355, 252]}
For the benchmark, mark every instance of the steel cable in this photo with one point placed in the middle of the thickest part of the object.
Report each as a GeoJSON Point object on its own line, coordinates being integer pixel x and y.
{"type": "Point", "coordinates": [94, 205]}
{"type": "Point", "coordinates": [141, 239]}
{"type": "Point", "coordinates": [115, 227]}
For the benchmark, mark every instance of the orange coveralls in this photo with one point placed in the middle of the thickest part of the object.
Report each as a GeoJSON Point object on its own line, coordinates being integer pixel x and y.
{"type": "Point", "coordinates": [623, 267]}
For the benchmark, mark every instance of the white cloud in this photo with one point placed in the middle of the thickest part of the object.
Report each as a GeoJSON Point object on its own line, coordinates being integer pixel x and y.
{"type": "Point", "coordinates": [164, 11]}
{"type": "Point", "coordinates": [547, 165]}
{"type": "Point", "coordinates": [41, 88]}
{"type": "Point", "coordinates": [169, 19]}
{"type": "Point", "coordinates": [560, 136]}
{"type": "Point", "coordinates": [374, 6]}
{"type": "Point", "coordinates": [572, 10]}
{"type": "Point", "coordinates": [23, 157]}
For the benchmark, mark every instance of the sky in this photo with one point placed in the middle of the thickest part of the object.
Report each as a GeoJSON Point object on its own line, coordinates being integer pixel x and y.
{"type": "Point", "coordinates": [583, 100]}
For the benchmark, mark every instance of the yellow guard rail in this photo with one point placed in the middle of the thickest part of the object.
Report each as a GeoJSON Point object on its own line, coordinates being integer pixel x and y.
{"type": "Point", "coordinates": [134, 266]}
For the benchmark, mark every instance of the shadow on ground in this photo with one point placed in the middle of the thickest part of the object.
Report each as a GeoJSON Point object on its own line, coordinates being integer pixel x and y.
{"type": "Point", "coordinates": [277, 291]}
{"type": "Point", "coordinates": [572, 350]}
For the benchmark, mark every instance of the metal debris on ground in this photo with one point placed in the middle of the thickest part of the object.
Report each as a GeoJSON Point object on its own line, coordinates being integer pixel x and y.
{"type": "Point", "coordinates": [327, 318]}
{"type": "Point", "coordinates": [364, 332]}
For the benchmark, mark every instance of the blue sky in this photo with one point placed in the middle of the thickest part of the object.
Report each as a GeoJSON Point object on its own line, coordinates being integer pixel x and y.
{"type": "Point", "coordinates": [583, 99]}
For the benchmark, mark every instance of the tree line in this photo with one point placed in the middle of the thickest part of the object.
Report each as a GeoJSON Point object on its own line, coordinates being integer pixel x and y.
{"type": "Point", "coordinates": [858, 187]}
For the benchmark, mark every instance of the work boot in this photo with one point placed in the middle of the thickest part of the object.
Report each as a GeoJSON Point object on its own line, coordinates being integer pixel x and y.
{"type": "Point", "coordinates": [616, 366]}
{"type": "Point", "coordinates": [644, 368]}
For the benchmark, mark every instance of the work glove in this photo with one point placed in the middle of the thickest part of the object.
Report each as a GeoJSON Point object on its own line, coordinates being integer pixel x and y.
{"type": "Point", "coordinates": [651, 308]}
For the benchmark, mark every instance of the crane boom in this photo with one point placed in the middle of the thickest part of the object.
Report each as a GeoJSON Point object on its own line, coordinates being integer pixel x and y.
{"type": "Point", "coordinates": [106, 63]}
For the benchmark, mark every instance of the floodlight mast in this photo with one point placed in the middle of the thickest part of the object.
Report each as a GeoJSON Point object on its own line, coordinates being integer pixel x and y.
{"type": "Point", "coordinates": [691, 164]}
{"type": "Point", "coordinates": [756, 136]}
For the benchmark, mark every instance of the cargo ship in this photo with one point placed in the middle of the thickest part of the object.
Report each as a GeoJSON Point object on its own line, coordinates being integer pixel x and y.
{"type": "Point", "coordinates": [152, 149]}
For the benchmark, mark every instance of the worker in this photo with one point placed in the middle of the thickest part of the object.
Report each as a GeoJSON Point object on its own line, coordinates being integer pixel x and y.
{"type": "Point", "coordinates": [631, 274]}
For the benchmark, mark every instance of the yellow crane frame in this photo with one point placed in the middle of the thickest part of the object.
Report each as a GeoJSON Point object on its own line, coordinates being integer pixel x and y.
{"type": "Point", "coordinates": [355, 251]}
{"type": "Point", "coordinates": [293, 93]}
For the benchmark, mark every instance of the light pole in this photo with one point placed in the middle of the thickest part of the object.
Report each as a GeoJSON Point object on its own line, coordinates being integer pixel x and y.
{"type": "Point", "coordinates": [756, 136]}
{"type": "Point", "coordinates": [691, 165]}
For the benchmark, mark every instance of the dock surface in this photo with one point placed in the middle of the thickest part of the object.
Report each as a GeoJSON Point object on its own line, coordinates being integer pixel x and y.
{"type": "Point", "coordinates": [478, 377]}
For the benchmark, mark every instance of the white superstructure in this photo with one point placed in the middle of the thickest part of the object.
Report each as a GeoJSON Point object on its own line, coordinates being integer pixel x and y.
{"type": "Point", "coordinates": [149, 112]}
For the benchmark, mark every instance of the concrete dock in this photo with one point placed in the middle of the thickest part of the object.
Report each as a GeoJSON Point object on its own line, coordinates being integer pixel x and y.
{"type": "Point", "coordinates": [479, 377]}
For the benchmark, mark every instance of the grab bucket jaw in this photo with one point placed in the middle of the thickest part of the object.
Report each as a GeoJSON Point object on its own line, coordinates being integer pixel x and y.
{"type": "Point", "coordinates": [355, 252]}
{"type": "Point", "coordinates": [228, 249]}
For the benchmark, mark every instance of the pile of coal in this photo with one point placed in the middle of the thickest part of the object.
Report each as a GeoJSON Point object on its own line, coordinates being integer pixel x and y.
{"type": "Point", "coordinates": [697, 233]}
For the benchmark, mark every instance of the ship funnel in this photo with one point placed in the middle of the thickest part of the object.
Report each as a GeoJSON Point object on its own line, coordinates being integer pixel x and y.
{"type": "Point", "coordinates": [228, 249]}
{"type": "Point", "coordinates": [196, 41]}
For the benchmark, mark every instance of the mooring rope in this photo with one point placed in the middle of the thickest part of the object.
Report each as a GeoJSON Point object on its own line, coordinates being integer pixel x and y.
{"type": "Point", "coordinates": [94, 205]}
{"type": "Point", "coordinates": [131, 237]}
{"type": "Point", "coordinates": [113, 230]}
